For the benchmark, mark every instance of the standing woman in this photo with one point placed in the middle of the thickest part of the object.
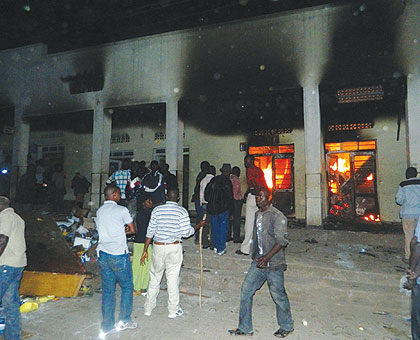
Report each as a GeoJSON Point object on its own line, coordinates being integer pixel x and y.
{"type": "Point", "coordinates": [141, 273]}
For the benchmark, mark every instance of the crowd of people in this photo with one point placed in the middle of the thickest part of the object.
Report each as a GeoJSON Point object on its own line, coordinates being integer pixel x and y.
{"type": "Point", "coordinates": [144, 202]}
{"type": "Point", "coordinates": [41, 185]}
{"type": "Point", "coordinates": [160, 223]}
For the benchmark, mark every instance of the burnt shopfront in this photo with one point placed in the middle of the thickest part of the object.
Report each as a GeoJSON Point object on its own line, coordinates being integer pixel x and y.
{"type": "Point", "coordinates": [277, 163]}
{"type": "Point", "coordinates": [363, 141]}
{"type": "Point", "coordinates": [351, 177]}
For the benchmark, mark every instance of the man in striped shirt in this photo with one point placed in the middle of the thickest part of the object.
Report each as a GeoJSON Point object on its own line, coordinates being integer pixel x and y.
{"type": "Point", "coordinates": [169, 223]}
{"type": "Point", "coordinates": [120, 178]}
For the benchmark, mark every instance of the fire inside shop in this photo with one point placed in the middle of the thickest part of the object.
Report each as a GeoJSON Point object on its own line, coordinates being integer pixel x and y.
{"type": "Point", "coordinates": [351, 175]}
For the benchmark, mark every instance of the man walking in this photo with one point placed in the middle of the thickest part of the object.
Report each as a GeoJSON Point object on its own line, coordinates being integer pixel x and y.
{"type": "Point", "coordinates": [255, 180]}
{"type": "Point", "coordinates": [269, 264]}
{"type": "Point", "coordinates": [169, 223]}
{"type": "Point", "coordinates": [12, 263]}
{"type": "Point", "coordinates": [408, 197]}
{"type": "Point", "coordinates": [114, 222]}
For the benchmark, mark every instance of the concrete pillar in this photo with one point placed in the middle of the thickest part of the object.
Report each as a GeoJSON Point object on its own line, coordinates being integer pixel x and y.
{"type": "Point", "coordinates": [313, 155]}
{"type": "Point", "coordinates": [172, 128]}
{"type": "Point", "coordinates": [174, 141]}
{"type": "Point", "coordinates": [180, 162]}
{"type": "Point", "coordinates": [412, 121]}
{"type": "Point", "coordinates": [101, 140]}
{"type": "Point", "coordinates": [20, 150]}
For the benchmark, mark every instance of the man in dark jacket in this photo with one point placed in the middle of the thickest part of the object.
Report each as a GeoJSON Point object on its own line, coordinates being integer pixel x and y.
{"type": "Point", "coordinates": [152, 184]}
{"type": "Point", "coordinates": [269, 264]}
{"type": "Point", "coordinates": [219, 195]}
{"type": "Point", "coordinates": [170, 181]}
{"type": "Point", "coordinates": [80, 186]}
{"type": "Point", "coordinates": [204, 167]}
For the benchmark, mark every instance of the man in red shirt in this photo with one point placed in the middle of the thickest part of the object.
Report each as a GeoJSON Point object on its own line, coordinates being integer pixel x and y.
{"type": "Point", "coordinates": [255, 180]}
{"type": "Point", "coordinates": [235, 223]}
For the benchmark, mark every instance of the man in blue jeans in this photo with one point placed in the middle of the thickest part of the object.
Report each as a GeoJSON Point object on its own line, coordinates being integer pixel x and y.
{"type": "Point", "coordinates": [219, 195]}
{"type": "Point", "coordinates": [12, 263]}
{"type": "Point", "coordinates": [269, 264]}
{"type": "Point", "coordinates": [114, 222]}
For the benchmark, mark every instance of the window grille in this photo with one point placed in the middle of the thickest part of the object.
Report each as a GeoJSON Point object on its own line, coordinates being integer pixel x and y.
{"type": "Point", "coordinates": [120, 138]}
{"type": "Point", "coordinates": [349, 127]}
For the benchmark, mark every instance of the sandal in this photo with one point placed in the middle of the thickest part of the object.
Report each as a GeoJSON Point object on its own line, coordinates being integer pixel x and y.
{"type": "Point", "coordinates": [282, 333]}
{"type": "Point", "coordinates": [237, 331]}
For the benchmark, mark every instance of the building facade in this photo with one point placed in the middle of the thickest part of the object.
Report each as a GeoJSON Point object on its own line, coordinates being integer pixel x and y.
{"type": "Point", "coordinates": [327, 106]}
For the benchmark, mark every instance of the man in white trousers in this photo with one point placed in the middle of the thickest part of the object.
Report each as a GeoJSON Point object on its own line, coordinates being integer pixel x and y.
{"type": "Point", "coordinates": [169, 223]}
{"type": "Point", "coordinates": [255, 180]}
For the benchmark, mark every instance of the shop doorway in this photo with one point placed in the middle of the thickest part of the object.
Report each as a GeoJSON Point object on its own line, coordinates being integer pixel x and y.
{"type": "Point", "coordinates": [277, 164]}
{"type": "Point", "coordinates": [352, 185]}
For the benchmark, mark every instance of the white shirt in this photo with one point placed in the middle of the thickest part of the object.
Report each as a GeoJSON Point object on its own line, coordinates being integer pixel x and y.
{"type": "Point", "coordinates": [12, 226]}
{"type": "Point", "coordinates": [169, 223]}
{"type": "Point", "coordinates": [111, 219]}
{"type": "Point", "coordinates": [203, 185]}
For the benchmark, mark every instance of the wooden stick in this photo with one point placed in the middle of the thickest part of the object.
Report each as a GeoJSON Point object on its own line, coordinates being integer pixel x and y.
{"type": "Point", "coordinates": [186, 293]}
{"type": "Point", "coordinates": [201, 264]}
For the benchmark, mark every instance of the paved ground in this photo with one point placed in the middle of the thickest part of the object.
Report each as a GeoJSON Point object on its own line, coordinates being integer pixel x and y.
{"type": "Point", "coordinates": [341, 285]}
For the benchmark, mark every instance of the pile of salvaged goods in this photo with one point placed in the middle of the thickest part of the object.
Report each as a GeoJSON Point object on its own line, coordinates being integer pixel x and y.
{"type": "Point", "coordinates": [79, 231]}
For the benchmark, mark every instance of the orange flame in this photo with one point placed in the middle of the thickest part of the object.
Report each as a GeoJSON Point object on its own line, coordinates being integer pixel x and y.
{"type": "Point", "coordinates": [370, 177]}
{"type": "Point", "coordinates": [333, 187]}
{"type": "Point", "coordinates": [341, 165]}
{"type": "Point", "coordinates": [268, 174]}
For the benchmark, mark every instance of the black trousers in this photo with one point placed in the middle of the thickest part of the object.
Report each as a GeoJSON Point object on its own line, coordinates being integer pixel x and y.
{"type": "Point", "coordinates": [235, 223]}
{"type": "Point", "coordinates": [415, 313]}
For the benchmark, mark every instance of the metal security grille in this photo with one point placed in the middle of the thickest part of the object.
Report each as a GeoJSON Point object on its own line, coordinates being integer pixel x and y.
{"type": "Point", "coordinates": [352, 190]}
{"type": "Point", "coordinates": [276, 162]}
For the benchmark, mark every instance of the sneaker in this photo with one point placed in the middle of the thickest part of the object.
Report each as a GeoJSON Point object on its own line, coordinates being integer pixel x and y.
{"type": "Point", "coordinates": [221, 252]}
{"type": "Point", "coordinates": [282, 333]}
{"type": "Point", "coordinates": [179, 312]}
{"type": "Point", "coordinates": [215, 250]}
{"type": "Point", "coordinates": [121, 325]}
{"type": "Point", "coordinates": [103, 334]}
{"type": "Point", "coordinates": [143, 292]}
{"type": "Point", "coordinates": [147, 313]}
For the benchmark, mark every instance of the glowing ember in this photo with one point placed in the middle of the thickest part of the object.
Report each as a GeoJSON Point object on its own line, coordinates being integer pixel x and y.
{"type": "Point", "coordinates": [372, 218]}
{"type": "Point", "coordinates": [268, 174]}
{"type": "Point", "coordinates": [370, 177]}
{"type": "Point", "coordinates": [333, 186]}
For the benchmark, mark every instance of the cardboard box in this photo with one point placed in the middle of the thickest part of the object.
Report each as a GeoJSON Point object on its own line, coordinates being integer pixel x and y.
{"type": "Point", "coordinates": [89, 223]}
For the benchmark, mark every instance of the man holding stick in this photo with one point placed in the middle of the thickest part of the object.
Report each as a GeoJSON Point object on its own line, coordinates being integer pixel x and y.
{"type": "Point", "coordinates": [169, 223]}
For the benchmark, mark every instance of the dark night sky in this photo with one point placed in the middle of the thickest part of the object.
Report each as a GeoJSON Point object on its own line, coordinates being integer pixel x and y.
{"type": "Point", "coordinates": [70, 24]}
